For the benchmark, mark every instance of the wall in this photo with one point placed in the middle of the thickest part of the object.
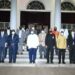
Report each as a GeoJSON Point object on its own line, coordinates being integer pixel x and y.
{"type": "Point", "coordinates": [49, 6]}
{"type": "Point", "coordinates": [72, 1]}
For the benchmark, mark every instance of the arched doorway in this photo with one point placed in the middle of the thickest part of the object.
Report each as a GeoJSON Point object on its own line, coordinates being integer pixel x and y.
{"type": "Point", "coordinates": [37, 15]}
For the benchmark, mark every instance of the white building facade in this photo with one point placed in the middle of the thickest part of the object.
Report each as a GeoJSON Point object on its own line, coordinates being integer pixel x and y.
{"type": "Point", "coordinates": [51, 6]}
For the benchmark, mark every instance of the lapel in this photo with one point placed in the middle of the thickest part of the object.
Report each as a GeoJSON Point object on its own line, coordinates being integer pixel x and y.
{"type": "Point", "coordinates": [12, 37]}
{"type": "Point", "coordinates": [2, 36]}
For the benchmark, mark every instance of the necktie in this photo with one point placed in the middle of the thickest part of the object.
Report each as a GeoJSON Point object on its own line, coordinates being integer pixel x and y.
{"type": "Point", "coordinates": [12, 36]}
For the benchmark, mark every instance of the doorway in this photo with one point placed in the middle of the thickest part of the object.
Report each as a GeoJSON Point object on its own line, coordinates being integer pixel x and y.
{"type": "Point", "coordinates": [36, 18]}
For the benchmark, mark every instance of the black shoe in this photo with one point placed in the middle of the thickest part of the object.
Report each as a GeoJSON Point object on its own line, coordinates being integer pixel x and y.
{"type": "Point", "coordinates": [2, 61]}
{"type": "Point", "coordinates": [14, 61]}
{"type": "Point", "coordinates": [64, 63]}
{"type": "Point", "coordinates": [30, 62]}
{"type": "Point", "coordinates": [33, 61]}
{"type": "Point", "coordinates": [47, 62]}
{"type": "Point", "coordinates": [10, 62]}
{"type": "Point", "coordinates": [59, 62]}
{"type": "Point", "coordinates": [52, 62]}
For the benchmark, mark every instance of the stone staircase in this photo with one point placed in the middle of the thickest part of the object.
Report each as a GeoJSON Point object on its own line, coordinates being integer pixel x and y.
{"type": "Point", "coordinates": [23, 67]}
{"type": "Point", "coordinates": [24, 58]}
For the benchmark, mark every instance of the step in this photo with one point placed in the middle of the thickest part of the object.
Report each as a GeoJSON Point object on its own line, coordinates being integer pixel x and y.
{"type": "Point", "coordinates": [27, 56]}
{"type": "Point", "coordinates": [37, 60]}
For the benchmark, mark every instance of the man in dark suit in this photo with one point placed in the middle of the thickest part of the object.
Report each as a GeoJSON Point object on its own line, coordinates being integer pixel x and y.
{"type": "Point", "coordinates": [7, 33]}
{"type": "Point", "coordinates": [71, 45]}
{"type": "Point", "coordinates": [13, 40]}
{"type": "Point", "coordinates": [50, 43]}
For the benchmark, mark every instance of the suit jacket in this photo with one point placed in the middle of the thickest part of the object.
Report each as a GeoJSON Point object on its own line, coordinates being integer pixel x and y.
{"type": "Point", "coordinates": [3, 40]}
{"type": "Point", "coordinates": [13, 41]}
{"type": "Point", "coordinates": [50, 40]}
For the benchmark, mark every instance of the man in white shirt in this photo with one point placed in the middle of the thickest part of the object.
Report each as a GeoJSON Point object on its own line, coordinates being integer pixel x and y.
{"type": "Point", "coordinates": [32, 43]}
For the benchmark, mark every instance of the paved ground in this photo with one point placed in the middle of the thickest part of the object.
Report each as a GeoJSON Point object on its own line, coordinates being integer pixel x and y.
{"type": "Point", "coordinates": [22, 66]}
{"type": "Point", "coordinates": [33, 69]}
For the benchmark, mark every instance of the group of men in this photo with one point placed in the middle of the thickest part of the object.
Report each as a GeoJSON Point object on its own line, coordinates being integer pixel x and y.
{"type": "Point", "coordinates": [46, 43]}
{"type": "Point", "coordinates": [59, 41]}
{"type": "Point", "coordinates": [8, 40]}
{"type": "Point", "coordinates": [55, 40]}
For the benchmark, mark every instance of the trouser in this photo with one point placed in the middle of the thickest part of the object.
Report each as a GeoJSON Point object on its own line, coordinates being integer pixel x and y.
{"type": "Point", "coordinates": [6, 48]}
{"type": "Point", "coordinates": [50, 51]}
{"type": "Point", "coordinates": [56, 51]}
{"type": "Point", "coordinates": [72, 54]}
{"type": "Point", "coordinates": [32, 54]}
{"type": "Point", "coordinates": [42, 50]}
{"type": "Point", "coordinates": [20, 46]}
{"type": "Point", "coordinates": [12, 54]}
{"type": "Point", "coordinates": [2, 52]}
{"type": "Point", "coordinates": [61, 54]}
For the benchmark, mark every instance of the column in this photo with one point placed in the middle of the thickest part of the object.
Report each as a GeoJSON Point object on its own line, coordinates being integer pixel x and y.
{"type": "Point", "coordinates": [52, 17]}
{"type": "Point", "coordinates": [13, 15]}
{"type": "Point", "coordinates": [18, 13]}
{"type": "Point", "coordinates": [58, 14]}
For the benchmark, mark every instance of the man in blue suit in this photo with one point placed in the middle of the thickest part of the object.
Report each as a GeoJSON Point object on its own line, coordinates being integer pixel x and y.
{"type": "Point", "coordinates": [3, 43]}
{"type": "Point", "coordinates": [7, 33]}
{"type": "Point", "coordinates": [13, 40]}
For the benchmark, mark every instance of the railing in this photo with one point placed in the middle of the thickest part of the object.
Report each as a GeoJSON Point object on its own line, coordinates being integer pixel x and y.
{"type": "Point", "coordinates": [4, 25]}
{"type": "Point", "coordinates": [68, 26]}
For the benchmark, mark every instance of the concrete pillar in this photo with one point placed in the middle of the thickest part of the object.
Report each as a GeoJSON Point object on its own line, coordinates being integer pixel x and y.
{"type": "Point", "coordinates": [58, 14]}
{"type": "Point", "coordinates": [13, 14]}
{"type": "Point", "coordinates": [52, 10]}
{"type": "Point", "coordinates": [18, 14]}
{"type": "Point", "coordinates": [52, 19]}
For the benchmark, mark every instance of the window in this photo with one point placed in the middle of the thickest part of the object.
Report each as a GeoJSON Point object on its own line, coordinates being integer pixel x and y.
{"type": "Point", "coordinates": [68, 26]}
{"type": "Point", "coordinates": [67, 6]}
{"type": "Point", "coordinates": [5, 4]}
{"type": "Point", "coordinates": [4, 25]}
{"type": "Point", "coordinates": [35, 5]}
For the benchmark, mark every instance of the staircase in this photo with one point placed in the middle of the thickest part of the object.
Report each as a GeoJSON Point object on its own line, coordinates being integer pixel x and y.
{"type": "Point", "coordinates": [24, 58]}
{"type": "Point", "coordinates": [23, 67]}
